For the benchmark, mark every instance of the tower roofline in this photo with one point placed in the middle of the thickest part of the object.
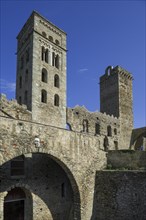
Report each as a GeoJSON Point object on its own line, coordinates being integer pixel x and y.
{"type": "Point", "coordinates": [37, 14]}
{"type": "Point", "coordinates": [110, 71]}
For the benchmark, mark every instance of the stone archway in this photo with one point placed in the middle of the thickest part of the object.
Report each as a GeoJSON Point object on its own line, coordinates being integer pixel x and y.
{"type": "Point", "coordinates": [54, 190]}
{"type": "Point", "coordinates": [18, 204]}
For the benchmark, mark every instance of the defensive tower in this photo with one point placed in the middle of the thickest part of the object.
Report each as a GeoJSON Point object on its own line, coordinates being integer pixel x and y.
{"type": "Point", "coordinates": [41, 70]}
{"type": "Point", "coordinates": [116, 99]}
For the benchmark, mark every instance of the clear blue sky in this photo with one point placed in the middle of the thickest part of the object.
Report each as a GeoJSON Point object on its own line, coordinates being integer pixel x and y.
{"type": "Point", "coordinates": [99, 33]}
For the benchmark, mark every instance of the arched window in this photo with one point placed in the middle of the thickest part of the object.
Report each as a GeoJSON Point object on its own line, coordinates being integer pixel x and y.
{"type": "Point", "coordinates": [115, 131]}
{"type": "Point", "coordinates": [56, 81]}
{"type": "Point", "coordinates": [44, 75]}
{"type": "Point", "coordinates": [43, 53]}
{"type": "Point", "coordinates": [20, 82]}
{"type": "Point", "coordinates": [46, 55]}
{"type": "Point", "coordinates": [43, 96]}
{"type": "Point", "coordinates": [85, 125]}
{"type": "Point", "coordinates": [51, 38]}
{"type": "Point", "coordinates": [109, 131]}
{"type": "Point", "coordinates": [56, 42]}
{"type": "Point", "coordinates": [44, 34]}
{"type": "Point", "coordinates": [56, 100]}
{"type": "Point", "coordinates": [97, 128]}
{"type": "Point", "coordinates": [17, 166]}
{"type": "Point", "coordinates": [57, 61]}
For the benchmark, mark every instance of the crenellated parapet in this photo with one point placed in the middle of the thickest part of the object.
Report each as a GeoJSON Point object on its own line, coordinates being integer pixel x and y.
{"type": "Point", "coordinates": [12, 109]}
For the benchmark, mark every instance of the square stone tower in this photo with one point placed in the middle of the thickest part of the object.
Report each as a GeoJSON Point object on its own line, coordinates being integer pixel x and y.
{"type": "Point", "coordinates": [41, 70]}
{"type": "Point", "coordinates": [116, 99]}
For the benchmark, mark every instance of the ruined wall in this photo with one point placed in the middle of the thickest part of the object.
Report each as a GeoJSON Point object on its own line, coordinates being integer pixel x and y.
{"type": "Point", "coordinates": [78, 115]}
{"type": "Point", "coordinates": [11, 108]}
{"type": "Point", "coordinates": [119, 195]}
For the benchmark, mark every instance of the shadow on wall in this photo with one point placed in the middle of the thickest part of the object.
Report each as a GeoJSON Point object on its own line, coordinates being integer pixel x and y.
{"type": "Point", "coordinates": [119, 195]}
{"type": "Point", "coordinates": [51, 184]}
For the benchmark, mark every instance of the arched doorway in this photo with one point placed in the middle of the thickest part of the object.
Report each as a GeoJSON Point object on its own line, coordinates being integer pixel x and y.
{"type": "Point", "coordinates": [16, 203]}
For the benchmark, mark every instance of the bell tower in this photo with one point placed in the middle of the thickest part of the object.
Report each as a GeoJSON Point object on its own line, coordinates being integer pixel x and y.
{"type": "Point", "coordinates": [116, 99]}
{"type": "Point", "coordinates": [41, 70]}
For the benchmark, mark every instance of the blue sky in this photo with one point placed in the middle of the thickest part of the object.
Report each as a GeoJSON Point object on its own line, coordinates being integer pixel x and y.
{"type": "Point", "coordinates": [99, 33]}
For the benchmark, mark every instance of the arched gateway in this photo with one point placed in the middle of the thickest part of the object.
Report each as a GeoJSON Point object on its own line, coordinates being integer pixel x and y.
{"type": "Point", "coordinates": [40, 187]}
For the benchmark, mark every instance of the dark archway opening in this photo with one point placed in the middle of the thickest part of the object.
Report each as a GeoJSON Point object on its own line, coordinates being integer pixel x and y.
{"type": "Point", "coordinates": [14, 204]}
{"type": "Point", "coordinates": [53, 190]}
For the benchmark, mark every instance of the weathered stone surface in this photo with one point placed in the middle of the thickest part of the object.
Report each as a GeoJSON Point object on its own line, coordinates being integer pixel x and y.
{"type": "Point", "coordinates": [62, 150]}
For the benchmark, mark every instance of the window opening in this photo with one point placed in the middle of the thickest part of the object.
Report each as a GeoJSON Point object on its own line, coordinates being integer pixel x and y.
{"type": "Point", "coordinates": [57, 61]}
{"type": "Point", "coordinates": [43, 53]}
{"type": "Point", "coordinates": [115, 131]}
{"type": "Point", "coordinates": [97, 128]}
{"type": "Point", "coordinates": [44, 34]}
{"type": "Point", "coordinates": [46, 55]}
{"type": "Point", "coordinates": [56, 81]}
{"type": "Point", "coordinates": [44, 75]}
{"type": "Point", "coordinates": [57, 42]}
{"type": "Point", "coordinates": [56, 100]}
{"type": "Point", "coordinates": [51, 38]}
{"type": "Point", "coordinates": [109, 131]}
{"type": "Point", "coordinates": [44, 96]}
{"type": "Point", "coordinates": [53, 58]}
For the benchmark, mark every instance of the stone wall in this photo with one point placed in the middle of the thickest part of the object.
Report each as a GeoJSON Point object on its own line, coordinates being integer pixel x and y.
{"type": "Point", "coordinates": [78, 154]}
{"type": "Point", "coordinates": [119, 195]}
{"type": "Point", "coordinates": [126, 159]}
{"type": "Point", "coordinates": [78, 115]}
